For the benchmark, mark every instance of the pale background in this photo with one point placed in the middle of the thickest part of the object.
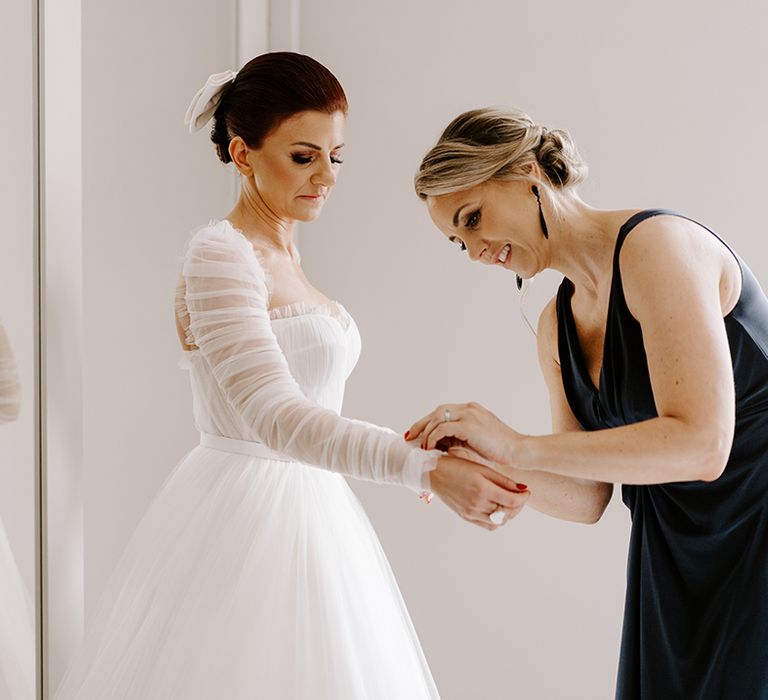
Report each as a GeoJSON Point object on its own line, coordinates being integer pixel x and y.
{"type": "Point", "coordinates": [667, 104]}
{"type": "Point", "coordinates": [146, 184]}
{"type": "Point", "coordinates": [17, 201]}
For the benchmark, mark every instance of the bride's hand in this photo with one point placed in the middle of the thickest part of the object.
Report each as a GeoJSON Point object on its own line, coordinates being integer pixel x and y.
{"type": "Point", "coordinates": [474, 491]}
{"type": "Point", "coordinates": [471, 427]}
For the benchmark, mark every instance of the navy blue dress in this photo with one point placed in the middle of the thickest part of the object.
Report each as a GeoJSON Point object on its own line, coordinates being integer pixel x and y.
{"type": "Point", "coordinates": [696, 611]}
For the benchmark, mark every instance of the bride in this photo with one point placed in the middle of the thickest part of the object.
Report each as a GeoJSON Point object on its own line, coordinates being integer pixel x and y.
{"type": "Point", "coordinates": [256, 573]}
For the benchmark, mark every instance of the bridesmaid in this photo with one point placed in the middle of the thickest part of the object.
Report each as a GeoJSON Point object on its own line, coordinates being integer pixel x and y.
{"type": "Point", "coordinates": [655, 354]}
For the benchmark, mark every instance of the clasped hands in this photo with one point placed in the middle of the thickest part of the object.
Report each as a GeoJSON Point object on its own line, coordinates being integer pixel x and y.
{"type": "Point", "coordinates": [473, 478]}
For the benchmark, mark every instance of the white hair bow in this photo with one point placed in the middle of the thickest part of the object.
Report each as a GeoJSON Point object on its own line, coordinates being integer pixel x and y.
{"type": "Point", "coordinates": [206, 100]}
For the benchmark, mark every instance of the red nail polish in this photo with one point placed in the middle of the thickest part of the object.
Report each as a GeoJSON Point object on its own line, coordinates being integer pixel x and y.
{"type": "Point", "coordinates": [522, 487]}
{"type": "Point", "coordinates": [407, 433]}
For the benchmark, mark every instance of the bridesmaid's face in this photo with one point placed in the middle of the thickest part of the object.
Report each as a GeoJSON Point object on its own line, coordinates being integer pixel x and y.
{"type": "Point", "coordinates": [296, 167]}
{"type": "Point", "coordinates": [491, 220]}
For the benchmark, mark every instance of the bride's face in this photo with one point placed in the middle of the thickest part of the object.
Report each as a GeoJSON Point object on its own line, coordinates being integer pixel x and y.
{"type": "Point", "coordinates": [496, 223]}
{"type": "Point", "coordinates": [296, 167]}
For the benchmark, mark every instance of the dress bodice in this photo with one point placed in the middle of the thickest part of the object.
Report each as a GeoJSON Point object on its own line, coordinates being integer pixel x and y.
{"type": "Point", "coordinates": [321, 344]}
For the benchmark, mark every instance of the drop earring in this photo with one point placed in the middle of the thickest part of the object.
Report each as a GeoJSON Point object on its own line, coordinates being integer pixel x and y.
{"type": "Point", "coordinates": [544, 230]}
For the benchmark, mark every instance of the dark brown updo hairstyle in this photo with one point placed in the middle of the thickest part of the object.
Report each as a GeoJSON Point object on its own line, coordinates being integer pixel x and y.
{"type": "Point", "coordinates": [269, 89]}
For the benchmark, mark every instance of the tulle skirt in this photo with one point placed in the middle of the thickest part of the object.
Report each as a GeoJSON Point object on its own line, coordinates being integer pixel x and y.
{"type": "Point", "coordinates": [251, 578]}
{"type": "Point", "coordinates": [17, 633]}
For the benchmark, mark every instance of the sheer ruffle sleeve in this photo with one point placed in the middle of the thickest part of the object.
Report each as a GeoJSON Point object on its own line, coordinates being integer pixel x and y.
{"type": "Point", "coordinates": [226, 295]}
{"type": "Point", "coordinates": [10, 387]}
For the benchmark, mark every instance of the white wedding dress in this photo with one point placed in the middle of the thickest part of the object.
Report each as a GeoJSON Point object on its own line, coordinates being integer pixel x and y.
{"type": "Point", "coordinates": [255, 572]}
{"type": "Point", "coordinates": [17, 632]}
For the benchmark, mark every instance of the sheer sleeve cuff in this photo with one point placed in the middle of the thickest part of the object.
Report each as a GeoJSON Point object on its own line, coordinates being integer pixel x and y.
{"type": "Point", "coordinates": [417, 468]}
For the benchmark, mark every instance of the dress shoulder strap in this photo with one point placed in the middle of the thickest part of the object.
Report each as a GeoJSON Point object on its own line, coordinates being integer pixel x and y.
{"type": "Point", "coordinates": [633, 221]}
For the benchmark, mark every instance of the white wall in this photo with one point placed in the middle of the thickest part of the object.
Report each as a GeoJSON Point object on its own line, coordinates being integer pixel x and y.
{"type": "Point", "coordinates": [667, 103]}
{"type": "Point", "coordinates": [17, 238]}
{"type": "Point", "coordinates": [146, 184]}
{"type": "Point", "coordinates": [61, 372]}
{"type": "Point", "coordinates": [18, 246]}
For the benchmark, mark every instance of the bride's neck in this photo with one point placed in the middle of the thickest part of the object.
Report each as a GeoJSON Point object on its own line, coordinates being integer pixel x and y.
{"type": "Point", "coordinates": [260, 223]}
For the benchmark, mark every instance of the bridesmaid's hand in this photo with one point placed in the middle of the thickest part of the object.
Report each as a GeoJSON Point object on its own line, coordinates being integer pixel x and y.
{"type": "Point", "coordinates": [474, 491]}
{"type": "Point", "coordinates": [472, 428]}
{"type": "Point", "coordinates": [458, 448]}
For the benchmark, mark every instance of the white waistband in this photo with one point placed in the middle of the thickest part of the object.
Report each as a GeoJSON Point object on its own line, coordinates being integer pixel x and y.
{"type": "Point", "coordinates": [243, 447]}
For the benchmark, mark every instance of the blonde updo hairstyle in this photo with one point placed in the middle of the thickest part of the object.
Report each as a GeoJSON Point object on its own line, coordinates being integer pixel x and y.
{"type": "Point", "coordinates": [498, 144]}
